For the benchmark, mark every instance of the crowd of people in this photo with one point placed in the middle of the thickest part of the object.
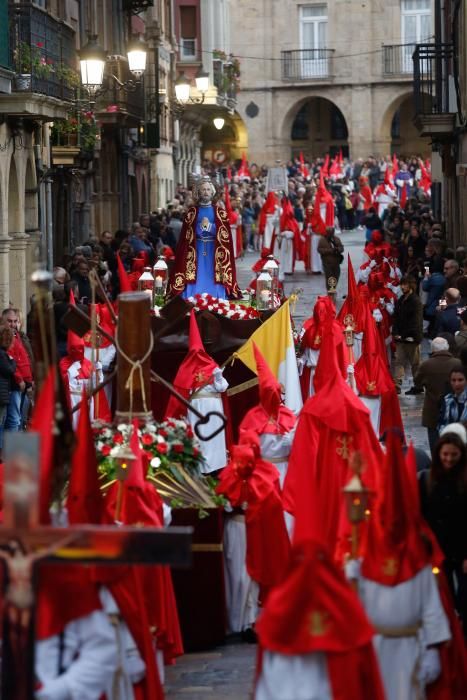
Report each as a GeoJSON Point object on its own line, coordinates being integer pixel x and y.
{"type": "Point", "coordinates": [287, 554]}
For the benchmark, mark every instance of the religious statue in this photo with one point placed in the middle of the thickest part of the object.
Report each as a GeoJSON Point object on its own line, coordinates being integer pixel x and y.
{"type": "Point", "coordinates": [204, 259]}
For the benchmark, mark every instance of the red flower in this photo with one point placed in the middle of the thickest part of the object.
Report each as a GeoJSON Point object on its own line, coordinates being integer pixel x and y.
{"type": "Point", "coordinates": [146, 439]}
{"type": "Point", "coordinates": [163, 433]}
{"type": "Point", "coordinates": [178, 449]}
{"type": "Point", "coordinates": [105, 450]}
{"type": "Point", "coordinates": [39, 44]}
{"type": "Point", "coordinates": [195, 452]}
{"type": "Point", "coordinates": [189, 431]}
{"type": "Point", "coordinates": [162, 448]}
{"type": "Point", "coordinates": [118, 438]}
{"type": "Point", "coordinates": [235, 316]}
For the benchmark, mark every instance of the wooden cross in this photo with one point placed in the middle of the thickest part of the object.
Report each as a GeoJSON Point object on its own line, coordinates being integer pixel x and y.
{"type": "Point", "coordinates": [24, 542]}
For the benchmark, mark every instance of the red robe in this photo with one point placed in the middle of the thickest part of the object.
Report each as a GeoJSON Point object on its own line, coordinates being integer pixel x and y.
{"type": "Point", "coordinates": [185, 265]}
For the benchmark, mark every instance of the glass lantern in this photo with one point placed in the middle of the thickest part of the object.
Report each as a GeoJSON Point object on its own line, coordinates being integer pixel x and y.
{"type": "Point", "coordinates": [264, 298]}
{"type": "Point", "coordinates": [273, 268]}
{"type": "Point", "coordinates": [161, 276]}
{"type": "Point", "coordinates": [146, 283]}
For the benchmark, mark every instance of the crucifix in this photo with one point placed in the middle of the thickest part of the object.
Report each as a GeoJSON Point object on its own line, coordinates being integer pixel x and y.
{"type": "Point", "coordinates": [24, 543]}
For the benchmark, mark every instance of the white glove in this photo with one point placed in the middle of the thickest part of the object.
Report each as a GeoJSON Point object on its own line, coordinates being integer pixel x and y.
{"type": "Point", "coordinates": [377, 315]}
{"type": "Point", "coordinates": [430, 666]}
{"type": "Point", "coordinates": [300, 365]}
{"type": "Point", "coordinates": [98, 366]}
{"type": "Point", "coordinates": [409, 339]}
{"type": "Point", "coordinates": [400, 183]}
{"type": "Point", "coordinates": [390, 308]}
{"type": "Point", "coordinates": [352, 569]}
{"type": "Point", "coordinates": [167, 512]}
{"type": "Point", "coordinates": [373, 264]}
{"type": "Point", "coordinates": [134, 665]}
{"type": "Point", "coordinates": [350, 369]}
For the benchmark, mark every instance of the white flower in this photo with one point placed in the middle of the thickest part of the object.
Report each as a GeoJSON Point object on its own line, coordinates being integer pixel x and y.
{"type": "Point", "coordinates": [99, 445]}
{"type": "Point", "coordinates": [159, 438]}
{"type": "Point", "coordinates": [230, 313]}
{"type": "Point", "coordinates": [205, 295]}
{"type": "Point", "coordinates": [155, 462]}
{"type": "Point", "coordinates": [209, 307]}
{"type": "Point", "coordinates": [123, 427]}
{"type": "Point", "coordinates": [114, 452]}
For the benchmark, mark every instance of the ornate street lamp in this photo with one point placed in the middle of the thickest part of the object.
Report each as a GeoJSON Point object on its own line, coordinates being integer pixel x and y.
{"type": "Point", "coordinates": [92, 63]}
{"type": "Point", "coordinates": [137, 53]}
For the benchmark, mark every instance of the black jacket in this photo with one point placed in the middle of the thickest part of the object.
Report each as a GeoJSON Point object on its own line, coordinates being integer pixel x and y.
{"type": "Point", "coordinates": [408, 318]}
{"type": "Point", "coordinates": [7, 369]}
{"type": "Point", "coordinates": [444, 507]}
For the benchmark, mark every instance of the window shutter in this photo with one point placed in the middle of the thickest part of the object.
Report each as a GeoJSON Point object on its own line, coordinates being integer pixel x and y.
{"type": "Point", "coordinates": [4, 38]}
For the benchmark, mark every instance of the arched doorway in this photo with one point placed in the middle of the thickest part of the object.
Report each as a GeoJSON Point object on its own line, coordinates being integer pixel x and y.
{"type": "Point", "coordinates": [405, 139]}
{"type": "Point", "coordinates": [227, 144]}
{"type": "Point", "coordinates": [319, 127]}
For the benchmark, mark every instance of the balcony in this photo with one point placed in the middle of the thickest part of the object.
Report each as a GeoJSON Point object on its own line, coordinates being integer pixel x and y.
{"type": "Point", "coordinates": [397, 61]}
{"type": "Point", "coordinates": [435, 111]}
{"type": "Point", "coordinates": [225, 77]}
{"type": "Point", "coordinates": [116, 106]}
{"type": "Point", "coordinates": [306, 65]}
{"type": "Point", "coordinates": [42, 55]}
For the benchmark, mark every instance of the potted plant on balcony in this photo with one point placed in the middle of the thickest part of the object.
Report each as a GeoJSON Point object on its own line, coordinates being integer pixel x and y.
{"type": "Point", "coordinates": [79, 129]}
{"type": "Point", "coordinates": [68, 76]}
{"type": "Point", "coordinates": [29, 61]}
{"type": "Point", "coordinates": [227, 80]}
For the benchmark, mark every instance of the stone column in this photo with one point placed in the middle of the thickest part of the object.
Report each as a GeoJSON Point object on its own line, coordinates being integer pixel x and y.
{"type": "Point", "coordinates": [18, 271]}
{"type": "Point", "coordinates": [33, 257]}
{"type": "Point", "coordinates": [4, 272]}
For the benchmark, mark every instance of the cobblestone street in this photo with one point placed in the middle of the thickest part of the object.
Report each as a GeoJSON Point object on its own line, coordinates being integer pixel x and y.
{"type": "Point", "coordinates": [227, 672]}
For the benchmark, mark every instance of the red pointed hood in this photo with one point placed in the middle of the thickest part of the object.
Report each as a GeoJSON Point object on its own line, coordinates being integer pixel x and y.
{"type": "Point", "coordinates": [288, 221]}
{"type": "Point", "coordinates": [125, 284]}
{"type": "Point", "coordinates": [195, 371]}
{"type": "Point", "coordinates": [84, 500]}
{"type": "Point", "coordinates": [74, 344]}
{"type": "Point", "coordinates": [269, 207]}
{"type": "Point", "coordinates": [353, 303]}
{"type": "Point", "coordinates": [43, 422]}
{"type": "Point", "coordinates": [301, 617]}
{"type": "Point", "coordinates": [395, 551]}
{"type": "Point", "coordinates": [334, 169]}
{"type": "Point", "coordinates": [324, 169]}
{"type": "Point", "coordinates": [323, 311]}
{"type": "Point", "coordinates": [371, 371]}
{"type": "Point", "coordinates": [395, 164]}
{"type": "Point", "coordinates": [269, 387]}
{"type": "Point", "coordinates": [389, 177]}
{"type": "Point", "coordinates": [141, 503]}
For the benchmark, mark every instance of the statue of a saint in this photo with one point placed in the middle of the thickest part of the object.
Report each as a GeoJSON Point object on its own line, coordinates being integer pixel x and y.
{"type": "Point", "coordinates": [204, 259]}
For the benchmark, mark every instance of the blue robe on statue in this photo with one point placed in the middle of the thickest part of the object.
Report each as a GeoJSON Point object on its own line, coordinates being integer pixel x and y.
{"type": "Point", "coordinates": [205, 230]}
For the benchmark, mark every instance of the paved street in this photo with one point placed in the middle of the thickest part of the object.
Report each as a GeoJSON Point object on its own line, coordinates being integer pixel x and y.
{"type": "Point", "coordinates": [226, 673]}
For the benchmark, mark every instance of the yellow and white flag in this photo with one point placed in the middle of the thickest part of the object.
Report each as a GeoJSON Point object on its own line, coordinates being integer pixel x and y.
{"type": "Point", "coordinates": [275, 342]}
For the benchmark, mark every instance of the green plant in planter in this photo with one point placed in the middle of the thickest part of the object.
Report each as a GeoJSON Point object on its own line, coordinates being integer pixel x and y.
{"type": "Point", "coordinates": [67, 76]}
{"type": "Point", "coordinates": [29, 60]}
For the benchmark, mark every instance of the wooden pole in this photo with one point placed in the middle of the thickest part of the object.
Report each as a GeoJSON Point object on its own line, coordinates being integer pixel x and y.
{"type": "Point", "coordinates": [134, 344]}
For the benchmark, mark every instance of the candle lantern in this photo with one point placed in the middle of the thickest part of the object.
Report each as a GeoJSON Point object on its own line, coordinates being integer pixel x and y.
{"type": "Point", "coordinates": [264, 299]}
{"type": "Point", "coordinates": [146, 283]}
{"type": "Point", "coordinates": [161, 276]}
{"type": "Point", "coordinates": [273, 268]}
{"type": "Point", "coordinates": [356, 500]}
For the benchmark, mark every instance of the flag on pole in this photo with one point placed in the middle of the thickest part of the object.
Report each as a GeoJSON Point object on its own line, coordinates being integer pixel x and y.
{"type": "Point", "coordinates": [275, 342]}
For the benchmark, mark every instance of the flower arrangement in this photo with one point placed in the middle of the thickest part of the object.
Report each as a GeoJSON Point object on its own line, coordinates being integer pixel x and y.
{"type": "Point", "coordinates": [174, 461]}
{"type": "Point", "coordinates": [223, 307]}
{"type": "Point", "coordinates": [67, 76]}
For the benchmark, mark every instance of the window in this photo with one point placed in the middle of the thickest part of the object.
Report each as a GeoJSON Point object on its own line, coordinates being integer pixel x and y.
{"type": "Point", "coordinates": [313, 38]}
{"type": "Point", "coordinates": [415, 28]}
{"type": "Point", "coordinates": [188, 33]}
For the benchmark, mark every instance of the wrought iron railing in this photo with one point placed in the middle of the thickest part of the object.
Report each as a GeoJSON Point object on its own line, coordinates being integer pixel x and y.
{"type": "Point", "coordinates": [306, 64]}
{"type": "Point", "coordinates": [432, 67]}
{"type": "Point", "coordinates": [42, 52]}
{"type": "Point", "coordinates": [128, 103]}
{"type": "Point", "coordinates": [397, 60]}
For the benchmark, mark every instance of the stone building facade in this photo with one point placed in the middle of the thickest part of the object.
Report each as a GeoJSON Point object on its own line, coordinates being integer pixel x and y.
{"type": "Point", "coordinates": [318, 76]}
